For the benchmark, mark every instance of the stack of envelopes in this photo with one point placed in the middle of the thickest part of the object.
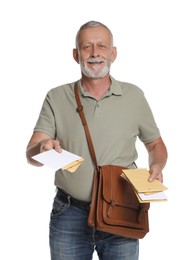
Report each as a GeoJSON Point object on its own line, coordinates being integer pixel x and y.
{"type": "Point", "coordinates": [145, 190]}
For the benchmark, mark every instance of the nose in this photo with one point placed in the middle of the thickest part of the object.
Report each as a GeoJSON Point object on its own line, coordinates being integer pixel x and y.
{"type": "Point", "coordinates": [95, 52]}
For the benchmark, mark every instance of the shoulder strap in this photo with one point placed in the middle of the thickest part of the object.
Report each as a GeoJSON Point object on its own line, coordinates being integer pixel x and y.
{"type": "Point", "coordinates": [84, 123]}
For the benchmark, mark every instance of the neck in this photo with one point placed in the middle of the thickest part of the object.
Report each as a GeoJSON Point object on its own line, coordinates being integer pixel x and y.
{"type": "Point", "coordinates": [96, 87]}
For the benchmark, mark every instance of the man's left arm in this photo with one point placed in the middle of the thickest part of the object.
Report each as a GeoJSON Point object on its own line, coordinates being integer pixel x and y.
{"type": "Point", "coordinates": [157, 158]}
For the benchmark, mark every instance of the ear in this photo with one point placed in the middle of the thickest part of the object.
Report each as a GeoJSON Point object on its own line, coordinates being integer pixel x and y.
{"type": "Point", "coordinates": [75, 55]}
{"type": "Point", "coordinates": [113, 54]}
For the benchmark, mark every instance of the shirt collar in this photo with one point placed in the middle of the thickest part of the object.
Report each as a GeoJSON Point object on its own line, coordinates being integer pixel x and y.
{"type": "Point", "coordinates": [115, 88]}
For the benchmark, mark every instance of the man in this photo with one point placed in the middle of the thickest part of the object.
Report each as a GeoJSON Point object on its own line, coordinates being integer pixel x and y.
{"type": "Point", "coordinates": [117, 113]}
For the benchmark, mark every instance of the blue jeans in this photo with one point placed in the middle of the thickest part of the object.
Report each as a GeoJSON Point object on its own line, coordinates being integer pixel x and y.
{"type": "Point", "coordinates": [72, 239]}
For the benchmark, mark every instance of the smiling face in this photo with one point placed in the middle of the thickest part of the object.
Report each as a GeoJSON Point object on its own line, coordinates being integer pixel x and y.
{"type": "Point", "coordinates": [95, 52]}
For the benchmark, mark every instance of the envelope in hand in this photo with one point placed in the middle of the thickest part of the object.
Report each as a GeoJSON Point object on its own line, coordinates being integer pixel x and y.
{"type": "Point", "coordinates": [64, 160]}
{"type": "Point", "coordinates": [146, 191]}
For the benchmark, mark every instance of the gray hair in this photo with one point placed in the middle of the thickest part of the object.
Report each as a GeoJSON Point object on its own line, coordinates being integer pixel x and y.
{"type": "Point", "coordinates": [92, 24]}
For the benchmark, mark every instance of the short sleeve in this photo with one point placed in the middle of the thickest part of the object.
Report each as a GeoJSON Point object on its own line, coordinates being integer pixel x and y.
{"type": "Point", "coordinates": [148, 130]}
{"type": "Point", "coordinates": [46, 119]}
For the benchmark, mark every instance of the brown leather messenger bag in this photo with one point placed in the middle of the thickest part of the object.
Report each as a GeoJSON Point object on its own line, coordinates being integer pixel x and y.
{"type": "Point", "coordinates": [114, 206]}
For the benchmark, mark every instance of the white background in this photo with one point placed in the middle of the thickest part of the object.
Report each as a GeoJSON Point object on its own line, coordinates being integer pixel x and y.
{"type": "Point", "coordinates": [154, 52]}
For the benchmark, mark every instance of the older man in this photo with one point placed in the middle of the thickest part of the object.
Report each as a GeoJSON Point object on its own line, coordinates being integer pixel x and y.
{"type": "Point", "coordinates": [117, 113]}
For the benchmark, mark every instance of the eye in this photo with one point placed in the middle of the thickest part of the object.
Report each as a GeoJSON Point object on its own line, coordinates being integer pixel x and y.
{"type": "Point", "coordinates": [87, 47]}
{"type": "Point", "coordinates": [102, 46]}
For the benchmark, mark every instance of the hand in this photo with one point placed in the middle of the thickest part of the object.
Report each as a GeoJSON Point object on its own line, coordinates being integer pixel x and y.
{"type": "Point", "coordinates": [49, 144]}
{"type": "Point", "coordinates": [156, 173]}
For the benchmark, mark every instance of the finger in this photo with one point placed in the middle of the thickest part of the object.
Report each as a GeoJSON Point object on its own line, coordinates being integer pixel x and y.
{"type": "Point", "coordinates": [46, 145]}
{"type": "Point", "coordinates": [157, 176]}
{"type": "Point", "coordinates": [56, 146]}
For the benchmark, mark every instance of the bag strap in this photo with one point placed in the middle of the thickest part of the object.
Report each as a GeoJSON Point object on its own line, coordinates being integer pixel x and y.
{"type": "Point", "coordinates": [86, 129]}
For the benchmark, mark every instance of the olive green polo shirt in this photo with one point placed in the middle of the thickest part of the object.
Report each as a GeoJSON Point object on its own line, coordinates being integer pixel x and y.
{"type": "Point", "coordinates": [115, 122]}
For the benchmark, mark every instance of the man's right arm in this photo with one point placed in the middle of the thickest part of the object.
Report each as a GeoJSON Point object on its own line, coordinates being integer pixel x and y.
{"type": "Point", "coordinates": [40, 142]}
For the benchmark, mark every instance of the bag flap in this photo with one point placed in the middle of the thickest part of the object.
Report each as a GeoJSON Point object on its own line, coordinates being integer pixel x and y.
{"type": "Point", "coordinates": [116, 190]}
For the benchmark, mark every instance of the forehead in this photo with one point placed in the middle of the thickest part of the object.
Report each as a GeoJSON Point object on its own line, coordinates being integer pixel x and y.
{"type": "Point", "coordinates": [95, 34]}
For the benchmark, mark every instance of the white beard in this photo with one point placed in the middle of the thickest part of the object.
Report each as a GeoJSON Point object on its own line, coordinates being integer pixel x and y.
{"type": "Point", "coordinates": [94, 74]}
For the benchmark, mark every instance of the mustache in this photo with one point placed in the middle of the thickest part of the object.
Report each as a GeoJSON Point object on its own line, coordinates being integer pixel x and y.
{"type": "Point", "coordinates": [92, 60]}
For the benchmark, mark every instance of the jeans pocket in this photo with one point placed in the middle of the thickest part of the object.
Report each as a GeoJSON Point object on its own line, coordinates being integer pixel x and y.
{"type": "Point", "coordinates": [58, 207]}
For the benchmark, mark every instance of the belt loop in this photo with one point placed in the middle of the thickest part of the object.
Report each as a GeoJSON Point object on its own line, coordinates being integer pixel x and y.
{"type": "Point", "coordinates": [69, 201]}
